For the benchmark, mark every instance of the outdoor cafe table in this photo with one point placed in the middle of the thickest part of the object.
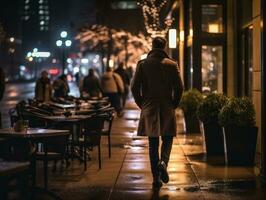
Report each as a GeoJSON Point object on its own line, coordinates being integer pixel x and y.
{"type": "Point", "coordinates": [35, 135]}
{"type": "Point", "coordinates": [71, 123]}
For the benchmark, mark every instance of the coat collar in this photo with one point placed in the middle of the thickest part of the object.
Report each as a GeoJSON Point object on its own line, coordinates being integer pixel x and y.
{"type": "Point", "coordinates": [158, 53]}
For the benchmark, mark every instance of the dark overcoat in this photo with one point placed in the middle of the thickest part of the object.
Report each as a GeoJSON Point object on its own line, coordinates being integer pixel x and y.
{"type": "Point", "coordinates": [157, 89]}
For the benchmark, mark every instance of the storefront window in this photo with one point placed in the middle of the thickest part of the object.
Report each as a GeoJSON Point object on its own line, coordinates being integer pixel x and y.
{"type": "Point", "coordinates": [212, 64]}
{"type": "Point", "coordinates": [212, 18]}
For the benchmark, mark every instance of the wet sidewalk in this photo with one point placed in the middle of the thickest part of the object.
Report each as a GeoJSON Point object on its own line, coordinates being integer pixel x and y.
{"type": "Point", "coordinates": [126, 175]}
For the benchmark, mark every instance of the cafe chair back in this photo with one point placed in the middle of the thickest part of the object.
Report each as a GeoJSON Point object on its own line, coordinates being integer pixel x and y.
{"type": "Point", "coordinates": [92, 136]}
{"type": "Point", "coordinates": [108, 122]}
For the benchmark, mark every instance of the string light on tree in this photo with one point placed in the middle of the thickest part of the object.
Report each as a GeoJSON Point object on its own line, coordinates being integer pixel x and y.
{"type": "Point", "coordinates": [151, 10]}
{"type": "Point", "coordinates": [97, 38]}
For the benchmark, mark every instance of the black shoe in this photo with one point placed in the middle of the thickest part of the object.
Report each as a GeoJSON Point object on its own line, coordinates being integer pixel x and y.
{"type": "Point", "coordinates": [163, 172]}
{"type": "Point", "coordinates": [157, 185]}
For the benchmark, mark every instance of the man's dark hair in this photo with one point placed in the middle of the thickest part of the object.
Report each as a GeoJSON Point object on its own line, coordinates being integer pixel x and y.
{"type": "Point", "coordinates": [158, 43]}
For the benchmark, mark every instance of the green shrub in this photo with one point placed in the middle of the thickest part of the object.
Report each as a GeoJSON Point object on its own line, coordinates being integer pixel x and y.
{"type": "Point", "coordinates": [238, 112]}
{"type": "Point", "coordinates": [210, 107]}
{"type": "Point", "coordinates": [190, 101]}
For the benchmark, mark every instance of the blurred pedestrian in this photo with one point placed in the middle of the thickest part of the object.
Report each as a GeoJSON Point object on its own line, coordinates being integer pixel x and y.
{"type": "Point", "coordinates": [61, 87]}
{"type": "Point", "coordinates": [157, 89]}
{"type": "Point", "coordinates": [130, 72]}
{"type": "Point", "coordinates": [43, 88]}
{"type": "Point", "coordinates": [113, 86]}
{"type": "Point", "coordinates": [77, 78]}
{"type": "Point", "coordinates": [126, 81]}
{"type": "Point", "coordinates": [91, 85]}
{"type": "Point", "coordinates": [2, 90]}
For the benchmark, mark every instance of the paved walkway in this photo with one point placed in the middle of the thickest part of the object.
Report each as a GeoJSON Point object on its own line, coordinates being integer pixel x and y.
{"type": "Point", "coordinates": [127, 174]}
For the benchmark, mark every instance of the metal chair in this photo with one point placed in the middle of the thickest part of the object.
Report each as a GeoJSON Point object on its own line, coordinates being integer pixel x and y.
{"type": "Point", "coordinates": [106, 131]}
{"type": "Point", "coordinates": [92, 137]}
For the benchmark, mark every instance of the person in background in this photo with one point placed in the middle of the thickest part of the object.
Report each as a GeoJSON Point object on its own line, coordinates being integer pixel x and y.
{"type": "Point", "coordinates": [126, 81]}
{"type": "Point", "coordinates": [60, 86]}
{"type": "Point", "coordinates": [43, 88]}
{"type": "Point", "coordinates": [2, 90]}
{"type": "Point", "coordinates": [130, 72]}
{"type": "Point", "coordinates": [157, 89]}
{"type": "Point", "coordinates": [77, 78]}
{"type": "Point", "coordinates": [112, 86]}
{"type": "Point", "coordinates": [91, 85]}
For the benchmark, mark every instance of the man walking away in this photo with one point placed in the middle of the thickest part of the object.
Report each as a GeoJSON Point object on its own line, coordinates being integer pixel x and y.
{"type": "Point", "coordinates": [157, 89]}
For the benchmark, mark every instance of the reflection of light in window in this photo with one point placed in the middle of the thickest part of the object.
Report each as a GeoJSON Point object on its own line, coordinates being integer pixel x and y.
{"type": "Point", "coordinates": [191, 70]}
{"type": "Point", "coordinates": [42, 22]}
{"type": "Point", "coordinates": [41, 12]}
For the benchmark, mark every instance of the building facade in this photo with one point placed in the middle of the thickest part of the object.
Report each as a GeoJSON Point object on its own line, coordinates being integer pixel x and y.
{"type": "Point", "coordinates": [220, 49]}
{"type": "Point", "coordinates": [36, 26]}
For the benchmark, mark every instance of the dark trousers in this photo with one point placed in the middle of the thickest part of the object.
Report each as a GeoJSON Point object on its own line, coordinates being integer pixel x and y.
{"type": "Point", "coordinates": [115, 100]}
{"type": "Point", "coordinates": [166, 148]}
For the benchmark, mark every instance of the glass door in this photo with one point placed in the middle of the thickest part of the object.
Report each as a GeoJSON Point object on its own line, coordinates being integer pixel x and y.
{"type": "Point", "coordinates": [212, 68]}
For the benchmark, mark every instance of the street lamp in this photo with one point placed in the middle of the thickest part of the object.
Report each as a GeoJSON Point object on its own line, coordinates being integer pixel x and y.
{"type": "Point", "coordinates": [63, 43]}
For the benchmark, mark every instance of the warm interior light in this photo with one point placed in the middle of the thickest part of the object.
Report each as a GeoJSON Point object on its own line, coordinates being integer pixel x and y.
{"type": "Point", "coordinates": [213, 28]}
{"type": "Point", "coordinates": [172, 38]}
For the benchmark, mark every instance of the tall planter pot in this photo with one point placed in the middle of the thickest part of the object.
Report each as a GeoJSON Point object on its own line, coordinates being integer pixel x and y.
{"type": "Point", "coordinates": [213, 136]}
{"type": "Point", "coordinates": [192, 124]}
{"type": "Point", "coordinates": [240, 145]}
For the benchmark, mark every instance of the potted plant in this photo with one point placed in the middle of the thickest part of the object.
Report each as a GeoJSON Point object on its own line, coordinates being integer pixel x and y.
{"type": "Point", "coordinates": [207, 113]}
{"type": "Point", "coordinates": [240, 133]}
{"type": "Point", "coordinates": [189, 103]}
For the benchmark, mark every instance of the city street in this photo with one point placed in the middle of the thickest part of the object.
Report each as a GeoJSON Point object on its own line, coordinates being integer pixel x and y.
{"type": "Point", "coordinates": [131, 90]}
